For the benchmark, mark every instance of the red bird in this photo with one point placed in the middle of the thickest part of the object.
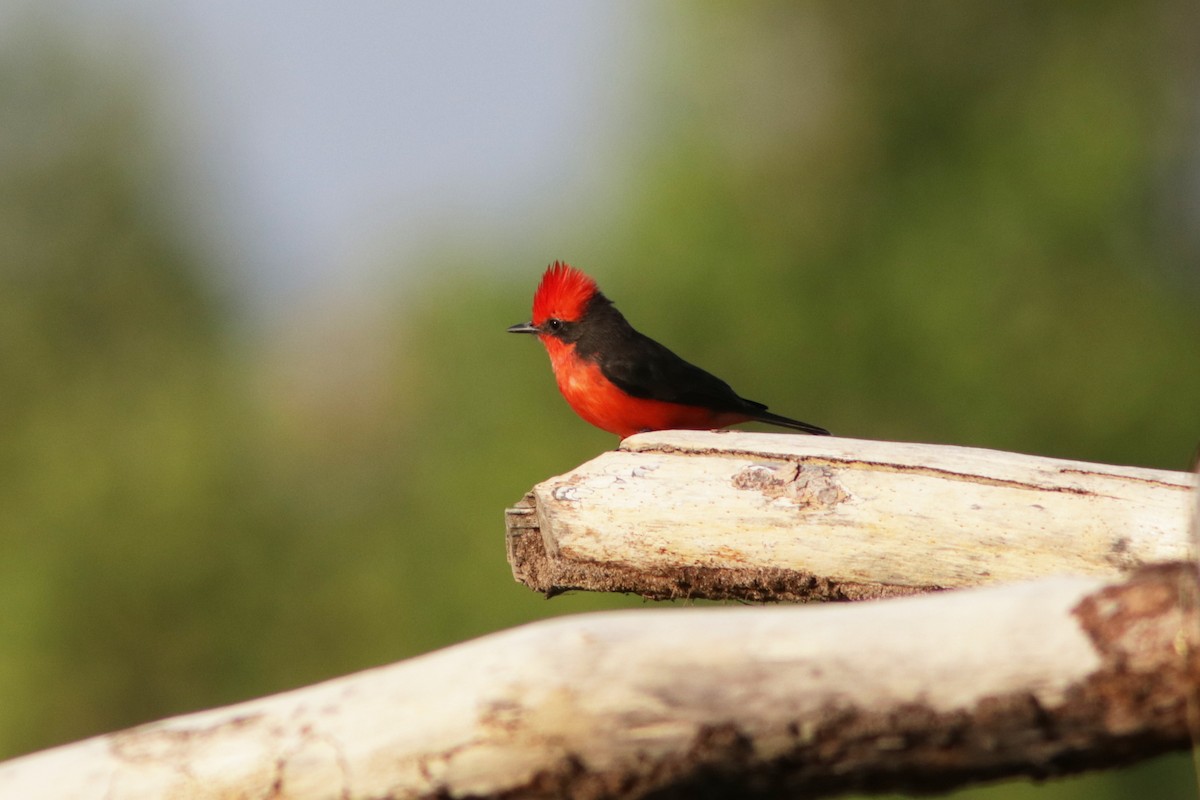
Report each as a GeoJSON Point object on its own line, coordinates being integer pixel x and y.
{"type": "Point", "coordinates": [624, 382]}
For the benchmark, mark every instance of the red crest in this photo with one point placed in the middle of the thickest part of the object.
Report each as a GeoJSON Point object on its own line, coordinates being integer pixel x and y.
{"type": "Point", "coordinates": [563, 294]}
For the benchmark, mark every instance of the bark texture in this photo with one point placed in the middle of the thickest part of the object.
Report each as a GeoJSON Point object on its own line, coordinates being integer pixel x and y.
{"type": "Point", "coordinates": [760, 517]}
{"type": "Point", "coordinates": [917, 694]}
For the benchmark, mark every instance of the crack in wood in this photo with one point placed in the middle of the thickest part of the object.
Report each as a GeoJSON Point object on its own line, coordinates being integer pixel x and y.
{"type": "Point", "coordinates": [918, 469]}
{"type": "Point", "coordinates": [881, 466]}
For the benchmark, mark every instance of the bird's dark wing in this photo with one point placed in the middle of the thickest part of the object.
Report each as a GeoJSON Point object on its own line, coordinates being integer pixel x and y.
{"type": "Point", "coordinates": [644, 368]}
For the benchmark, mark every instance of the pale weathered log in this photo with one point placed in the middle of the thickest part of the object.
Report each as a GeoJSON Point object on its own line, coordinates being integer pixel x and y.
{"type": "Point", "coordinates": [751, 516]}
{"type": "Point", "coordinates": [915, 694]}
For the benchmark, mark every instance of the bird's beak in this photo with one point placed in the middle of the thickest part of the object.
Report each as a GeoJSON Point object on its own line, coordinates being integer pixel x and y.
{"type": "Point", "coordinates": [523, 327]}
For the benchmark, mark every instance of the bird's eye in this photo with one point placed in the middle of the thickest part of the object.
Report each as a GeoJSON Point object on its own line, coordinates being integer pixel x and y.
{"type": "Point", "coordinates": [554, 324]}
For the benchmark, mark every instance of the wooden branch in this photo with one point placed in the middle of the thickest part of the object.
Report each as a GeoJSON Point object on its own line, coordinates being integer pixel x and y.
{"type": "Point", "coordinates": [917, 694]}
{"type": "Point", "coordinates": [751, 516]}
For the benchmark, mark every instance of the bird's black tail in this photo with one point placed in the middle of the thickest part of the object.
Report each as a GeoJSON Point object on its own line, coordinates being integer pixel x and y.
{"type": "Point", "coordinates": [786, 422]}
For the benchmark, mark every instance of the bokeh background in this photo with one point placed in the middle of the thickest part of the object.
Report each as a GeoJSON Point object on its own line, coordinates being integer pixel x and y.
{"type": "Point", "coordinates": [259, 418]}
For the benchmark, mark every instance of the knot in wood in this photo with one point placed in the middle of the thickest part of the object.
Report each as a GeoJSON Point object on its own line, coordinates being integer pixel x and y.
{"type": "Point", "coordinates": [802, 485]}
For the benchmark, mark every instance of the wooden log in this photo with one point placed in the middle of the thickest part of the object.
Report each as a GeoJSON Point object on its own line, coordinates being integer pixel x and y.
{"type": "Point", "coordinates": [918, 694]}
{"type": "Point", "coordinates": [751, 516]}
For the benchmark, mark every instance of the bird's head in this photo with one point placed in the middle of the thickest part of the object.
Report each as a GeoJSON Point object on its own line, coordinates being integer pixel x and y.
{"type": "Point", "coordinates": [561, 300]}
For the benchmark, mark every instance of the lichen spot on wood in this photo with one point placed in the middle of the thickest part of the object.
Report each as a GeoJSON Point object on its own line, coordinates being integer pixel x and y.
{"type": "Point", "coordinates": [569, 494]}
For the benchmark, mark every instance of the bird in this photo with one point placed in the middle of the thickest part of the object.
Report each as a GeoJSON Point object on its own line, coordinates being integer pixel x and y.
{"type": "Point", "coordinates": [622, 381]}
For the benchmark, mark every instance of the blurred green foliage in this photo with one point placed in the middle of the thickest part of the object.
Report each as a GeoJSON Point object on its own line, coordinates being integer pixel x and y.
{"type": "Point", "coordinates": [947, 222]}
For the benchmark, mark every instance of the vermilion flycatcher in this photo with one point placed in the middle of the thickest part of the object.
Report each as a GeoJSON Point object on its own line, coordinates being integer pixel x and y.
{"type": "Point", "coordinates": [620, 380]}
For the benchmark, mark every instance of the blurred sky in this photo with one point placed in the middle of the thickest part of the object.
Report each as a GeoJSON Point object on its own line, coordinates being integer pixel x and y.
{"type": "Point", "coordinates": [319, 142]}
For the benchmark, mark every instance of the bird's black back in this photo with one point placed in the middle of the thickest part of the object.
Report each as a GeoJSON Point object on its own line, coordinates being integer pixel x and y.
{"type": "Point", "coordinates": [642, 367]}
